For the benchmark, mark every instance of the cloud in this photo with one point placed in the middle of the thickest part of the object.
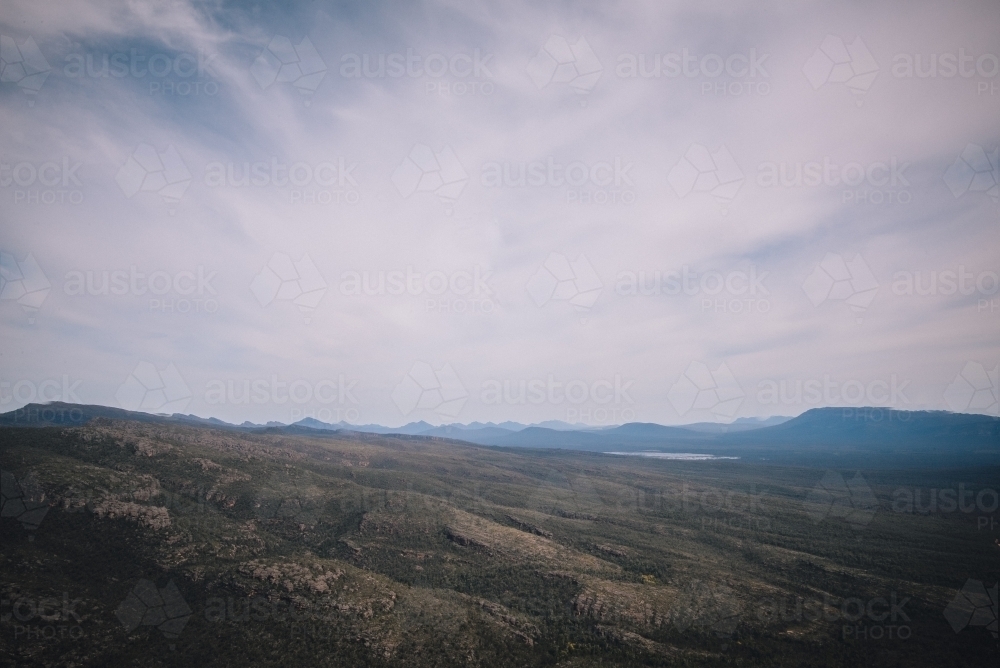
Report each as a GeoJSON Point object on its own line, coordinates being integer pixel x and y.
{"type": "Point", "coordinates": [549, 90]}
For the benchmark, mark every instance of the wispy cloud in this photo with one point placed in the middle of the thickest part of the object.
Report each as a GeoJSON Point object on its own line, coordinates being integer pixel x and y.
{"type": "Point", "coordinates": [523, 158]}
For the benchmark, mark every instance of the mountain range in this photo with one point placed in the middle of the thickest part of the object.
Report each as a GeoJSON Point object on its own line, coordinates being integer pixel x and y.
{"type": "Point", "coordinates": [176, 541]}
{"type": "Point", "coordinates": [867, 436]}
{"type": "Point", "coordinates": [475, 431]}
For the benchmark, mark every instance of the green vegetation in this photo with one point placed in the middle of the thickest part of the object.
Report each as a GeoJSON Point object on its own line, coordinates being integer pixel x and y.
{"type": "Point", "coordinates": [295, 549]}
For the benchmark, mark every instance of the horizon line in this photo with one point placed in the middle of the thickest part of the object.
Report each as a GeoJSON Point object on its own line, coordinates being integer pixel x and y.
{"type": "Point", "coordinates": [579, 425]}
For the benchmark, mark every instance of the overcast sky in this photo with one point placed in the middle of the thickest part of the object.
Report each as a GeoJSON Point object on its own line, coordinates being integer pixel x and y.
{"type": "Point", "coordinates": [593, 212]}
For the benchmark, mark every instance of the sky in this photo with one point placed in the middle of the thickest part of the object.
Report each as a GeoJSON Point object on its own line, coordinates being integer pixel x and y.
{"type": "Point", "coordinates": [593, 212]}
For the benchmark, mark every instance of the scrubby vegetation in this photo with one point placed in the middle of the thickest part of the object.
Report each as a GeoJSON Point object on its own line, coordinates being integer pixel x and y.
{"type": "Point", "coordinates": [296, 549]}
